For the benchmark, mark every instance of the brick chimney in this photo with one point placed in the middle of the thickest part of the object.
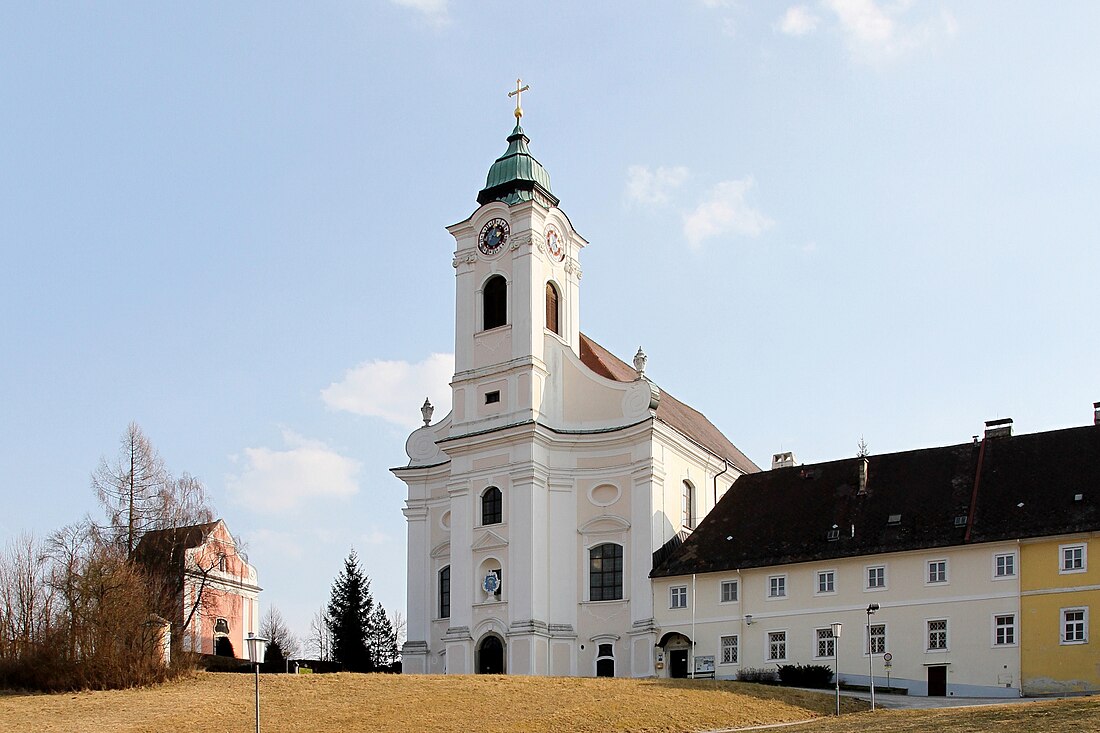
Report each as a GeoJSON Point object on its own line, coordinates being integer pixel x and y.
{"type": "Point", "coordinates": [864, 465]}
{"type": "Point", "coordinates": [782, 460]}
{"type": "Point", "coordinates": [1096, 413]}
{"type": "Point", "coordinates": [998, 428]}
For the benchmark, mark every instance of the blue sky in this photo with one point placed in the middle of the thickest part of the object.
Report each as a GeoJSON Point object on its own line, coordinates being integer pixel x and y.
{"type": "Point", "coordinates": [821, 221]}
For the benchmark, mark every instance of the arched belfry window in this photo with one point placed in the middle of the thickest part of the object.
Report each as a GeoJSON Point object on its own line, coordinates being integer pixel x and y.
{"type": "Point", "coordinates": [552, 308]}
{"type": "Point", "coordinates": [687, 506]}
{"type": "Point", "coordinates": [605, 572]}
{"type": "Point", "coordinates": [495, 301]}
{"type": "Point", "coordinates": [492, 506]}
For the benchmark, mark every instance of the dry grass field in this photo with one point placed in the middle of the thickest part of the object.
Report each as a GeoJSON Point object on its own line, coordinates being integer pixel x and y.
{"type": "Point", "coordinates": [347, 703]}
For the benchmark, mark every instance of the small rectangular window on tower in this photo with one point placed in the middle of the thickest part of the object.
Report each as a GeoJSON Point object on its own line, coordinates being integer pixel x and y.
{"type": "Point", "coordinates": [491, 397]}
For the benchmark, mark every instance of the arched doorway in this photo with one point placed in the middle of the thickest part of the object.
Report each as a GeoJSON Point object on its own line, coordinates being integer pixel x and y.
{"type": "Point", "coordinates": [490, 655]}
{"type": "Point", "coordinates": [676, 647]}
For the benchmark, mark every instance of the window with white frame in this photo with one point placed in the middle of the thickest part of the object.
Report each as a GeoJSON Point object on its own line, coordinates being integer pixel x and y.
{"type": "Point", "coordinates": [1004, 565]}
{"type": "Point", "coordinates": [729, 649]}
{"type": "Point", "coordinates": [876, 577]}
{"type": "Point", "coordinates": [937, 571]}
{"type": "Point", "coordinates": [1075, 625]}
{"type": "Point", "coordinates": [777, 586]}
{"type": "Point", "coordinates": [678, 596]}
{"type": "Point", "coordinates": [937, 635]}
{"type": "Point", "coordinates": [1004, 629]}
{"type": "Point", "coordinates": [826, 581]}
{"type": "Point", "coordinates": [687, 505]}
{"type": "Point", "coordinates": [777, 646]}
{"type": "Point", "coordinates": [876, 642]}
{"type": "Point", "coordinates": [729, 591]}
{"type": "Point", "coordinates": [1073, 559]}
{"type": "Point", "coordinates": [826, 643]}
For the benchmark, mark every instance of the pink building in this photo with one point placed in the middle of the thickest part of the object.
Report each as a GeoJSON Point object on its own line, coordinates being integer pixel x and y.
{"type": "Point", "coordinates": [211, 598]}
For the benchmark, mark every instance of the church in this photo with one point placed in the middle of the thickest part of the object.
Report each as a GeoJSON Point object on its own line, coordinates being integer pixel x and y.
{"type": "Point", "coordinates": [535, 508]}
{"type": "Point", "coordinates": [569, 517]}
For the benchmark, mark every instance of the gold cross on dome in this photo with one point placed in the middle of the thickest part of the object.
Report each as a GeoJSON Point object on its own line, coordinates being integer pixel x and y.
{"type": "Point", "coordinates": [519, 90]}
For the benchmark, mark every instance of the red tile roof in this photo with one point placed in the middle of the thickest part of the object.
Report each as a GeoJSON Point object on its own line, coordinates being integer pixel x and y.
{"type": "Point", "coordinates": [689, 422]}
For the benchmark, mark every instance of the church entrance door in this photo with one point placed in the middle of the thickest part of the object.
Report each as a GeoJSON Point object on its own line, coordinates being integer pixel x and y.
{"type": "Point", "coordinates": [678, 663]}
{"type": "Point", "coordinates": [490, 656]}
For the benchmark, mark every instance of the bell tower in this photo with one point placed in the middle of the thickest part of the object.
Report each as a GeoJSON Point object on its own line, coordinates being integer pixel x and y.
{"type": "Point", "coordinates": [517, 284]}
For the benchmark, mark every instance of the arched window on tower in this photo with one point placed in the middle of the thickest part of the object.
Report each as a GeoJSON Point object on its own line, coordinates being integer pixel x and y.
{"type": "Point", "coordinates": [495, 302]}
{"type": "Point", "coordinates": [492, 506]}
{"type": "Point", "coordinates": [552, 310]}
{"type": "Point", "coordinates": [445, 592]}
{"type": "Point", "coordinates": [687, 506]}
{"type": "Point", "coordinates": [605, 572]}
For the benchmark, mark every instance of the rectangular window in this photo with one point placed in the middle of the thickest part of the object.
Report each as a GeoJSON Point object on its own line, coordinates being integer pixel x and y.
{"type": "Point", "coordinates": [605, 572]}
{"type": "Point", "coordinates": [826, 643]}
{"type": "Point", "coordinates": [729, 591]}
{"type": "Point", "coordinates": [877, 640]}
{"type": "Point", "coordinates": [445, 592]}
{"type": "Point", "coordinates": [1073, 558]}
{"type": "Point", "coordinates": [826, 581]}
{"type": "Point", "coordinates": [777, 586]}
{"type": "Point", "coordinates": [729, 649]}
{"type": "Point", "coordinates": [678, 596]}
{"type": "Point", "coordinates": [937, 635]}
{"type": "Point", "coordinates": [1004, 565]}
{"type": "Point", "coordinates": [876, 576]}
{"type": "Point", "coordinates": [491, 397]}
{"type": "Point", "coordinates": [1075, 625]}
{"type": "Point", "coordinates": [937, 571]}
{"type": "Point", "coordinates": [1004, 630]}
{"type": "Point", "coordinates": [777, 646]}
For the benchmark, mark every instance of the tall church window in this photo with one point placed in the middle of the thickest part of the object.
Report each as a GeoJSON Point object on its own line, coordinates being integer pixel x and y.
{"type": "Point", "coordinates": [495, 301]}
{"type": "Point", "coordinates": [492, 506]}
{"type": "Point", "coordinates": [687, 506]}
{"type": "Point", "coordinates": [445, 592]}
{"type": "Point", "coordinates": [552, 310]}
{"type": "Point", "coordinates": [605, 660]}
{"type": "Point", "coordinates": [605, 572]}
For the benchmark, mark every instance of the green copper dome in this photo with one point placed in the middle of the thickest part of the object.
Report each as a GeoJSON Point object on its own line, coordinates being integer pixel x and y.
{"type": "Point", "coordinates": [516, 176]}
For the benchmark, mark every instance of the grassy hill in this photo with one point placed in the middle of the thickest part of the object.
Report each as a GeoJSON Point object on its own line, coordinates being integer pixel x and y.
{"type": "Point", "coordinates": [349, 703]}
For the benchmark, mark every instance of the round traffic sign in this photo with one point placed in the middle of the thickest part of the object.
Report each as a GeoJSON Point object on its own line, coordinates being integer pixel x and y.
{"type": "Point", "coordinates": [887, 657]}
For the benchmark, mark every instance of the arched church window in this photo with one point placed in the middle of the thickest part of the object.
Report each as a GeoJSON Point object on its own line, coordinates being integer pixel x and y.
{"type": "Point", "coordinates": [495, 297]}
{"type": "Point", "coordinates": [605, 660]}
{"type": "Point", "coordinates": [445, 592]}
{"type": "Point", "coordinates": [552, 311]}
{"type": "Point", "coordinates": [605, 572]}
{"type": "Point", "coordinates": [492, 506]}
{"type": "Point", "coordinates": [687, 506]}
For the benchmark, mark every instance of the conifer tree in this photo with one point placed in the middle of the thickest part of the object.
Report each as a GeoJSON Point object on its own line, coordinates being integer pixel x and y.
{"type": "Point", "coordinates": [382, 639]}
{"type": "Point", "coordinates": [349, 615]}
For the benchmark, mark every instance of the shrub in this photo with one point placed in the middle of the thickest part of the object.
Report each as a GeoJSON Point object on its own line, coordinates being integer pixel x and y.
{"type": "Point", "coordinates": [809, 675]}
{"type": "Point", "coordinates": [759, 675]}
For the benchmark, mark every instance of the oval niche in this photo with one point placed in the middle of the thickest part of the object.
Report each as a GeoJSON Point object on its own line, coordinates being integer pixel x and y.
{"type": "Point", "coordinates": [604, 494]}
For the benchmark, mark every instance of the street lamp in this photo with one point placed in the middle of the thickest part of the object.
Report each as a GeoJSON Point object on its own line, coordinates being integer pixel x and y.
{"type": "Point", "coordinates": [836, 627]}
{"type": "Point", "coordinates": [870, 652]}
{"type": "Point", "coordinates": [257, 648]}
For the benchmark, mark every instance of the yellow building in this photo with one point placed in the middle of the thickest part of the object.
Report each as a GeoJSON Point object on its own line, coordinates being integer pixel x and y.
{"type": "Point", "coordinates": [1058, 635]}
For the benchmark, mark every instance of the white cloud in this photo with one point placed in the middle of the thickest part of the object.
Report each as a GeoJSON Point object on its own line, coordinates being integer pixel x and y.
{"type": "Point", "coordinates": [432, 11]}
{"type": "Point", "coordinates": [725, 211]}
{"type": "Point", "coordinates": [644, 186]}
{"type": "Point", "coordinates": [282, 480]}
{"type": "Point", "coordinates": [394, 390]}
{"type": "Point", "coordinates": [798, 21]}
{"type": "Point", "coordinates": [875, 33]}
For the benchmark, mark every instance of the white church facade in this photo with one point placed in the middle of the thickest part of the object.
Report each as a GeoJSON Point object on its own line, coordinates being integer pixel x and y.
{"type": "Point", "coordinates": [536, 508]}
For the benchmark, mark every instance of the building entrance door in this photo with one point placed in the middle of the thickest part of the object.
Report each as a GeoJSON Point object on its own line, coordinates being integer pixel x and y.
{"type": "Point", "coordinates": [490, 656]}
{"type": "Point", "coordinates": [937, 681]}
{"type": "Point", "coordinates": [678, 663]}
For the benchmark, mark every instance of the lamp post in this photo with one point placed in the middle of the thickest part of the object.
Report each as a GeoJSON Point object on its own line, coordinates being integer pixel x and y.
{"type": "Point", "coordinates": [870, 652]}
{"type": "Point", "coordinates": [836, 628]}
{"type": "Point", "coordinates": [257, 648]}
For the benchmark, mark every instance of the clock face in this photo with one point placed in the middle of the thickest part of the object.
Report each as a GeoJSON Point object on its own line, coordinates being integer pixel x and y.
{"type": "Point", "coordinates": [554, 244]}
{"type": "Point", "coordinates": [493, 236]}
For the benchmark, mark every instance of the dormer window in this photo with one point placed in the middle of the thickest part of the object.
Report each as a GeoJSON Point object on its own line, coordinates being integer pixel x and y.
{"type": "Point", "coordinates": [495, 301]}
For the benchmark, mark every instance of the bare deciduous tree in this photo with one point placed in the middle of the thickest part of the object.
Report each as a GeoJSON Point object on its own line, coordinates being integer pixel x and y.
{"type": "Point", "coordinates": [319, 642]}
{"type": "Point", "coordinates": [281, 640]}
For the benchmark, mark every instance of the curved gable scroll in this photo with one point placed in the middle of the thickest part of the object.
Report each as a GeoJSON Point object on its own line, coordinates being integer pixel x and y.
{"type": "Point", "coordinates": [604, 524]}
